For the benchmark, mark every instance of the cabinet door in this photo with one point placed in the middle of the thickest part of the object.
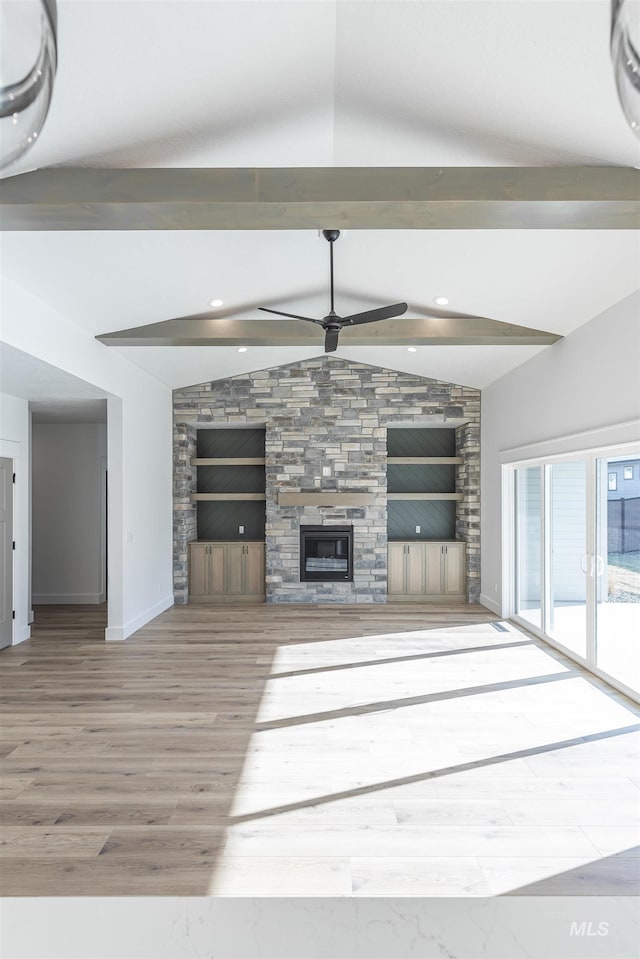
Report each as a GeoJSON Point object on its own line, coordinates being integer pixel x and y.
{"type": "Point", "coordinates": [198, 569]}
{"type": "Point", "coordinates": [454, 568]}
{"type": "Point", "coordinates": [395, 567]}
{"type": "Point", "coordinates": [254, 582]}
{"type": "Point", "coordinates": [235, 569]}
{"type": "Point", "coordinates": [216, 569]}
{"type": "Point", "coordinates": [433, 568]}
{"type": "Point", "coordinates": [415, 568]}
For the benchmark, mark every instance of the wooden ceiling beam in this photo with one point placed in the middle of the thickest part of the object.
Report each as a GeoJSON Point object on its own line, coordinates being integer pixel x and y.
{"type": "Point", "coordinates": [427, 331]}
{"type": "Point", "coordinates": [365, 198]}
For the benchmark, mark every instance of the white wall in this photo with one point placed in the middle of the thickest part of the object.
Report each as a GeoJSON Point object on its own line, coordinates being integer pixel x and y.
{"type": "Point", "coordinates": [581, 393]}
{"type": "Point", "coordinates": [68, 461]}
{"type": "Point", "coordinates": [14, 444]}
{"type": "Point", "coordinates": [139, 454]}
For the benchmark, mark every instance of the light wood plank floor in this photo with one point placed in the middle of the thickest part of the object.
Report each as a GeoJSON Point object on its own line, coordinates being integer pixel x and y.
{"type": "Point", "coordinates": [296, 750]}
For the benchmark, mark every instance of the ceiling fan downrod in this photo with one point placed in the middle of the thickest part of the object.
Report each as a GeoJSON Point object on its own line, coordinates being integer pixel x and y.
{"type": "Point", "coordinates": [332, 323]}
{"type": "Point", "coordinates": [331, 236]}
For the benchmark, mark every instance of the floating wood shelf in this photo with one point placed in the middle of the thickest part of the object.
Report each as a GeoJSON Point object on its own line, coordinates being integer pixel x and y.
{"type": "Point", "coordinates": [425, 496]}
{"type": "Point", "coordinates": [425, 460]}
{"type": "Point", "coordinates": [326, 499]}
{"type": "Point", "coordinates": [228, 461]}
{"type": "Point", "coordinates": [222, 497]}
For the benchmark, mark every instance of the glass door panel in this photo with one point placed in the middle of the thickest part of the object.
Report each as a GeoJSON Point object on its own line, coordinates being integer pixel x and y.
{"type": "Point", "coordinates": [528, 544]}
{"type": "Point", "coordinates": [567, 562]}
{"type": "Point", "coordinates": [618, 568]}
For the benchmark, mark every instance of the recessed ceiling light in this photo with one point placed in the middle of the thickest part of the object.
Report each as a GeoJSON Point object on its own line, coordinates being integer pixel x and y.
{"type": "Point", "coordinates": [242, 349]}
{"type": "Point", "coordinates": [441, 300]}
{"type": "Point", "coordinates": [411, 349]}
{"type": "Point", "coordinates": [216, 303]}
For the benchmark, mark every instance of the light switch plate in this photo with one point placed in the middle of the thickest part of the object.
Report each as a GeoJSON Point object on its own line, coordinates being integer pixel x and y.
{"type": "Point", "coordinates": [417, 529]}
{"type": "Point", "coordinates": [241, 530]}
{"type": "Point", "coordinates": [326, 471]}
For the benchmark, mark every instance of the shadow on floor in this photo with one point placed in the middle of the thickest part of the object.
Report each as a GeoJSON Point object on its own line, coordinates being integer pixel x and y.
{"type": "Point", "coordinates": [617, 875]}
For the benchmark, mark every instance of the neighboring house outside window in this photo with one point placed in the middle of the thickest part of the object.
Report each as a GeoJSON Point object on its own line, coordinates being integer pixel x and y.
{"type": "Point", "coordinates": [623, 478]}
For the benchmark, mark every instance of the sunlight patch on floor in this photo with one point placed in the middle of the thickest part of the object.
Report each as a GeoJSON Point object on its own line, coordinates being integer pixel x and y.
{"type": "Point", "coordinates": [466, 772]}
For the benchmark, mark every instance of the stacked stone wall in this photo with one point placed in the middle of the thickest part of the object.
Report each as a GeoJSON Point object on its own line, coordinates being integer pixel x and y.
{"type": "Point", "coordinates": [321, 414]}
{"type": "Point", "coordinates": [184, 510]}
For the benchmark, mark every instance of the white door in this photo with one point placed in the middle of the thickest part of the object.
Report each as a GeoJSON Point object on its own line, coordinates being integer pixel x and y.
{"type": "Point", "coordinates": [6, 552]}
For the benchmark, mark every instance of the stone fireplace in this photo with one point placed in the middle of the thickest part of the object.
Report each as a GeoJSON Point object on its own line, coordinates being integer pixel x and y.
{"type": "Point", "coordinates": [325, 424]}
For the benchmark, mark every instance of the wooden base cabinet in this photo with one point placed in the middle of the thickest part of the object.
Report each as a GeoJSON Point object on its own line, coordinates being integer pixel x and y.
{"type": "Point", "coordinates": [226, 572]}
{"type": "Point", "coordinates": [406, 569]}
{"type": "Point", "coordinates": [426, 572]}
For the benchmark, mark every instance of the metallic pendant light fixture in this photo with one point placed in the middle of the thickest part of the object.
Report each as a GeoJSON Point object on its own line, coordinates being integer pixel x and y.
{"type": "Point", "coordinates": [28, 60]}
{"type": "Point", "coordinates": [625, 54]}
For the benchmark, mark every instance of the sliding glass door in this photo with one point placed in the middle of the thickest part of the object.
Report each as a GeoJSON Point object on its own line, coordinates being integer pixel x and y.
{"type": "Point", "coordinates": [576, 558]}
{"type": "Point", "coordinates": [567, 555]}
{"type": "Point", "coordinates": [617, 636]}
{"type": "Point", "coordinates": [528, 543]}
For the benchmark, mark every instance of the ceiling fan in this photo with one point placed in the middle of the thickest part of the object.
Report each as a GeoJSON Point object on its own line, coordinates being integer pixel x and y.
{"type": "Point", "coordinates": [332, 323]}
{"type": "Point", "coordinates": [429, 329]}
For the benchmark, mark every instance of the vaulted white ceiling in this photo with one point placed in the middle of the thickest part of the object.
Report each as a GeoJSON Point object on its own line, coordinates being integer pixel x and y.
{"type": "Point", "coordinates": [211, 84]}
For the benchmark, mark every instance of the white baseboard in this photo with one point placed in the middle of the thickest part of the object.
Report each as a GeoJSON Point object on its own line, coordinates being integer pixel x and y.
{"type": "Point", "coordinates": [491, 604]}
{"type": "Point", "coordinates": [20, 633]}
{"type": "Point", "coordinates": [119, 633]}
{"type": "Point", "coordinates": [68, 599]}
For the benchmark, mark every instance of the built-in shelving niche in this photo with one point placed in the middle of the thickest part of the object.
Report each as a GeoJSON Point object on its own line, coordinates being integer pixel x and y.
{"type": "Point", "coordinates": [421, 484]}
{"type": "Point", "coordinates": [231, 484]}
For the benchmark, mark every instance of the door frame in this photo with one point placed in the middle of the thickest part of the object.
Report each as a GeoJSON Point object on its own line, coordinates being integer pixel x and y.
{"type": "Point", "coordinates": [10, 549]}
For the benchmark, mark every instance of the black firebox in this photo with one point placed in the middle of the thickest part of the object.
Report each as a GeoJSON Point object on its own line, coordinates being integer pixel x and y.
{"type": "Point", "coordinates": [326, 554]}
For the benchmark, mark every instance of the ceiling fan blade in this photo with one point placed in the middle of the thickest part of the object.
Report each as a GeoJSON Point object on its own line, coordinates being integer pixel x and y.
{"type": "Point", "coordinates": [292, 316]}
{"type": "Point", "coordinates": [331, 341]}
{"type": "Point", "coordinates": [372, 316]}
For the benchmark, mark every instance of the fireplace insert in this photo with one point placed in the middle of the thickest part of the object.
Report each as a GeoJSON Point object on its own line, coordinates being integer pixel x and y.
{"type": "Point", "coordinates": [326, 554]}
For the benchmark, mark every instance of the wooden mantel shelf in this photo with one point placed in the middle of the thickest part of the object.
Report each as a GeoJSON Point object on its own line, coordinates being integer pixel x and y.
{"type": "Point", "coordinates": [325, 499]}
